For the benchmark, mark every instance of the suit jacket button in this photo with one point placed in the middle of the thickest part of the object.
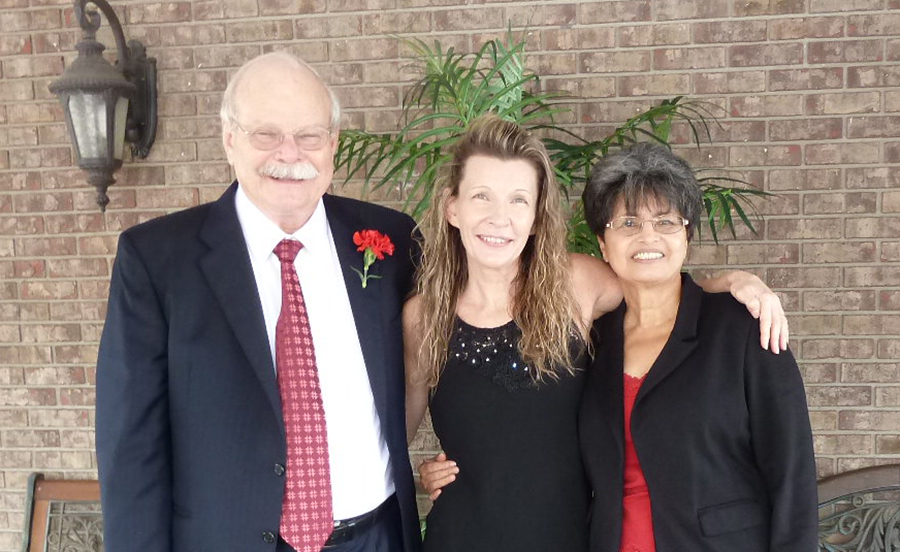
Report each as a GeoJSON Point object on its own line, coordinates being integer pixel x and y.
{"type": "Point", "coordinates": [279, 470]}
{"type": "Point", "coordinates": [269, 537]}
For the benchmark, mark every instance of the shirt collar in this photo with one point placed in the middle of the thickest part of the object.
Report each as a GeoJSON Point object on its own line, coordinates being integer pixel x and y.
{"type": "Point", "coordinates": [262, 234]}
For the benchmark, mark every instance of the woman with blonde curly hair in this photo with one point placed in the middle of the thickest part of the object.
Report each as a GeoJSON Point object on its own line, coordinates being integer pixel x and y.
{"type": "Point", "coordinates": [495, 345]}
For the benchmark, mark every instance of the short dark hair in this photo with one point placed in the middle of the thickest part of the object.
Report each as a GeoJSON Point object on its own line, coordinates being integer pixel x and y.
{"type": "Point", "coordinates": [637, 174]}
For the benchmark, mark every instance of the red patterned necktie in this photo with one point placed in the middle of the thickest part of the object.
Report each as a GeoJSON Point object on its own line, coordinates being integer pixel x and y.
{"type": "Point", "coordinates": [306, 513]}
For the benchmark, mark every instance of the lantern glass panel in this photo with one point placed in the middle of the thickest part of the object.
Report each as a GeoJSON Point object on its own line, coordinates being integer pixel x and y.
{"type": "Point", "coordinates": [88, 113]}
{"type": "Point", "coordinates": [121, 116]}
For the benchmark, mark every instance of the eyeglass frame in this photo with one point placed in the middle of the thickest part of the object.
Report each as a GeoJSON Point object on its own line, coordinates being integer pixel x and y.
{"type": "Point", "coordinates": [249, 134]}
{"type": "Point", "coordinates": [653, 221]}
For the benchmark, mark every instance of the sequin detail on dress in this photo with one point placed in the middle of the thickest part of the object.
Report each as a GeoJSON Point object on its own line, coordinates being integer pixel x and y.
{"type": "Point", "coordinates": [492, 353]}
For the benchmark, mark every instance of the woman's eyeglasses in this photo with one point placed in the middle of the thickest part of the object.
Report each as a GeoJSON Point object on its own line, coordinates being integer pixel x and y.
{"type": "Point", "coordinates": [664, 224]}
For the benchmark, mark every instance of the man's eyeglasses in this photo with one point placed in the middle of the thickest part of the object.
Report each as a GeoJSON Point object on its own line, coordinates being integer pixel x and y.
{"type": "Point", "coordinates": [309, 139]}
{"type": "Point", "coordinates": [664, 224]}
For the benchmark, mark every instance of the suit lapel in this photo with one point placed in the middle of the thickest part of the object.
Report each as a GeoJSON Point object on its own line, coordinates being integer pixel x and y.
{"type": "Point", "coordinates": [611, 380]}
{"type": "Point", "coordinates": [682, 341]}
{"type": "Point", "coordinates": [230, 276]}
{"type": "Point", "coordinates": [366, 304]}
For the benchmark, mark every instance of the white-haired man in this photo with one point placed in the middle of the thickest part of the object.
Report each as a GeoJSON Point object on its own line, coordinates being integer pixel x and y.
{"type": "Point", "coordinates": [249, 387]}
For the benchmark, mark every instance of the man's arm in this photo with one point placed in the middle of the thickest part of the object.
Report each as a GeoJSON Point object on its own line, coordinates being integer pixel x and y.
{"type": "Point", "coordinates": [133, 435]}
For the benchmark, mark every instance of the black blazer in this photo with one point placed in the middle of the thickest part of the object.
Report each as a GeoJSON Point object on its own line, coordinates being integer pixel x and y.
{"type": "Point", "coordinates": [190, 437]}
{"type": "Point", "coordinates": [721, 430]}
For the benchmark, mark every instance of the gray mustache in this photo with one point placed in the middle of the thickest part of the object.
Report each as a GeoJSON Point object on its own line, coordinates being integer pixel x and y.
{"type": "Point", "coordinates": [294, 171]}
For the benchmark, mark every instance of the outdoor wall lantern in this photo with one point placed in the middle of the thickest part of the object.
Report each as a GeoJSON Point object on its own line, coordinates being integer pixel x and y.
{"type": "Point", "coordinates": [106, 105]}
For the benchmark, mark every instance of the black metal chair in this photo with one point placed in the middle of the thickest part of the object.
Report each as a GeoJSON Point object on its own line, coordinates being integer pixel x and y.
{"type": "Point", "coordinates": [859, 511]}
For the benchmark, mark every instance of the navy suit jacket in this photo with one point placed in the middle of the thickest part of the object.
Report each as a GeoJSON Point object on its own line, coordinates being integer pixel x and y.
{"type": "Point", "coordinates": [721, 430]}
{"type": "Point", "coordinates": [189, 425]}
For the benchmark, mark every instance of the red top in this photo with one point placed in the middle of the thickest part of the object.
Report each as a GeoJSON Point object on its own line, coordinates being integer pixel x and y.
{"type": "Point", "coordinates": [637, 520]}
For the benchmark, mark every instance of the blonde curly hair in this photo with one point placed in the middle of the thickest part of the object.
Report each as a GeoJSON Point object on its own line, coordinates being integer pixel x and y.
{"type": "Point", "coordinates": [543, 303]}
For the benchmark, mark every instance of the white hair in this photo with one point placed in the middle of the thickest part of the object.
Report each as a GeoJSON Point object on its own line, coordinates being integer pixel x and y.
{"type": "Point", "coordinates": [228, 111]}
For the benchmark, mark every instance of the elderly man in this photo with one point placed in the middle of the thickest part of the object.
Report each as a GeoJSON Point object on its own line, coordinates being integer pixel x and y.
{"type": "Point", "coordinates": [250, 380]}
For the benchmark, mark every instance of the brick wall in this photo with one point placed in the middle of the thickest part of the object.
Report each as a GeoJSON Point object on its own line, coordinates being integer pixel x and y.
{"type": "Point", "coordinates": [811, 105]}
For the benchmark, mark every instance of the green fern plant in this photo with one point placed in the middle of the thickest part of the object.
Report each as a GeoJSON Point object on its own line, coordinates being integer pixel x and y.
{"type": "Point", "coordinates": [456, 88]}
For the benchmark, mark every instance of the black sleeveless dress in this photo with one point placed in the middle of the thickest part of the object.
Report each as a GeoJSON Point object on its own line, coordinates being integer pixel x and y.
{"type": "Point", "coordinates": [521, 485]}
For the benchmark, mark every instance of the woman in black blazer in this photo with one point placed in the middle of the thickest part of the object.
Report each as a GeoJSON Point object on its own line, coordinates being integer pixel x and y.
{"type": "Point", "coordinates": [718, 453]}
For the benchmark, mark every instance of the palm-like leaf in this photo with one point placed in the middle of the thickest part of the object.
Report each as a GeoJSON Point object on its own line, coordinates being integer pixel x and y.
{"type": "Point", "coordinates": [454, 89]}
{"type": "Point", "coordinates": [655, 124]}
{"type": "Point", "coordinates": [580, 238]}
{"type": "Point", "coordinates": [720, 200]}
{"type": "Point", "coordinates": [723, 202]}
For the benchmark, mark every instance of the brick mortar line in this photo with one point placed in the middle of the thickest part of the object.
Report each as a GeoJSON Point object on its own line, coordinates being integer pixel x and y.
{"type": "Point", "coordinates": [575, 26]}
{"type": "Point", "coordinates": [891, 384]}
{"type": "Point", "coordinates": [486, 6]}
{"type": "Point", "coordinates": [857, 432]}
{"type": "Point", "coordinates": [867, 408]}
{"type": "Point", "coordinates": [516, 30]}
{"type": "Point", "coordinates": [850, 385]}
{"type": "Point", "coordinates": [708, 97]}
{"type": "Point", "coordinates": [44, 448]}
{"type": "Point", "coordinates": [64, 278]}
{"type": "Point", "coordinates": [668, 71]}
{"type": "Point", "coordinates": [574, 99]}
{"type": "Point", "coordinates": [64, 386]}
{"type": "Point", "coordinates": [471, 32]}
{"type": "Point", "coordinates": [82, 471]}
{"type": "Point", "coordinates": [92, 472]}
{"type": "Point", "coordinates": [86, 408]}
{"type": "Point", "coordinates": [730, 17]}
{"type": "Point", "coordinates": [127, 3]}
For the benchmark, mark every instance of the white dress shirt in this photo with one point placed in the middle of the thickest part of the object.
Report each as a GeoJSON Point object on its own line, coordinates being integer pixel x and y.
{"type": "Point", "coordinates": [360, 463]}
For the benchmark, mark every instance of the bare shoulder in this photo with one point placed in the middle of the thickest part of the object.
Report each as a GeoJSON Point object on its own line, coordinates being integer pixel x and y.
{"type": "Point", "coordinates": [595, 284]}
{"type": "Point", "coordinates": [590, 274]}
{"type": "Point", "coordinates": [585, 265]}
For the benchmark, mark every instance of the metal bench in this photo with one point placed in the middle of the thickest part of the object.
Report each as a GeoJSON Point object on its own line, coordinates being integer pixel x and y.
{"type": "Point", "coordinates": [62, 516]}
{"type": "Point", "coordinates": [859, 511]}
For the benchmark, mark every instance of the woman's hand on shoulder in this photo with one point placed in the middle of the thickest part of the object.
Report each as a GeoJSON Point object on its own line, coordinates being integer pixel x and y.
{"type": "Point", "coordinates": [436, 473]}
{"type": "Point", "coordinates": [764, 305]}
{"type": "Point", "coordinates": [595, 285]}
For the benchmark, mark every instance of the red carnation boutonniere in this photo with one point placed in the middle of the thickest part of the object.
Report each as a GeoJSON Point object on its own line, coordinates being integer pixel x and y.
{"type": "Point", "coordinates": [374, 246]}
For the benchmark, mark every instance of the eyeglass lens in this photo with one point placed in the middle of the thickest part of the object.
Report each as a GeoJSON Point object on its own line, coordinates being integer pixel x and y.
{"type": "Point", "coordinates": [633, 225]}
{"type": "Point", "coordinates": [309, 140]}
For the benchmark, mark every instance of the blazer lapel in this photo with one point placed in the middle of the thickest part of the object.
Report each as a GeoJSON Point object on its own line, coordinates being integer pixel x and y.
{"type": "Point", "coordinates": [230, 276]}
{"type": "Point", "coordinates": [366, 304]}
{"type": "Point", "coordinates": [611, 378]}
{"type": "Point", "coordinates": [682, 341]}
